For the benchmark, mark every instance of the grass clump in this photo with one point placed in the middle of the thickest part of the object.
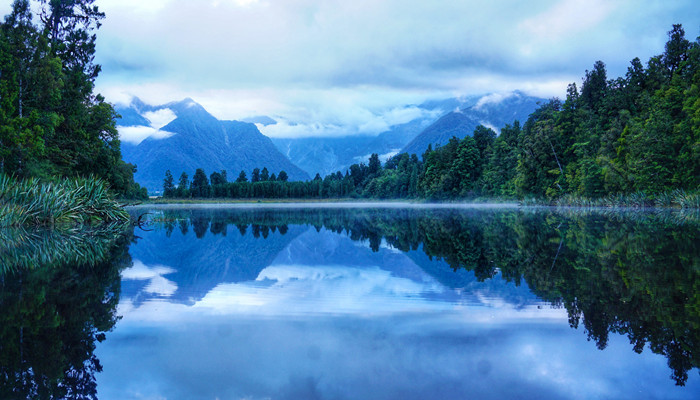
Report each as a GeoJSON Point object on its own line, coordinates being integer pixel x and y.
{"type": "Point", "coordinates": [677, 198]}
{"type": "Point", "coordinates": [68, 202]}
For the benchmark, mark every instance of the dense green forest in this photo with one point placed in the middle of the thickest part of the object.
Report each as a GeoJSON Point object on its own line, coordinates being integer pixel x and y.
{"type": "Point", "coordinates": [634, 137]}
{"type": "Point", "coordinates": [52, 123]}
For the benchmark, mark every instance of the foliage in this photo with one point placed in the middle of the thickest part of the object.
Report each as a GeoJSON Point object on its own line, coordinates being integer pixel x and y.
{"type": "Point", "coordinates": [51, 122]}
{"type": "Point", "coordinates": [69, 202]}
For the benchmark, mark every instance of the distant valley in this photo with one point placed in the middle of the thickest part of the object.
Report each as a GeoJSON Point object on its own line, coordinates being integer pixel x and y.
{"type": "Point", "coordinates": [450, 117]}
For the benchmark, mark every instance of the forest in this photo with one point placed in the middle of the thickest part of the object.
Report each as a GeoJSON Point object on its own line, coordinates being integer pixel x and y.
{"type": "Point", "coordinates": [634, 140]}
{"type": "Point", "coordinates": [52, 123]}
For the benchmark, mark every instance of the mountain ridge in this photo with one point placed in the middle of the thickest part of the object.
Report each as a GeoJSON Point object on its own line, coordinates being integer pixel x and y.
{"type": "Point", "coordinates": [196, 139]}
{"type": "Point", "coordinates": [445, 118]}
{"type": "Point", "coordinates": [493, 111]}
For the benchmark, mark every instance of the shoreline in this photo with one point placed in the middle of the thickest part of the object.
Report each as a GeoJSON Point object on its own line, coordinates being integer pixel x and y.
{"type": "Point", "coordinates": [393, 204]}
{"type": "Point", "coordinates": [322, 204]}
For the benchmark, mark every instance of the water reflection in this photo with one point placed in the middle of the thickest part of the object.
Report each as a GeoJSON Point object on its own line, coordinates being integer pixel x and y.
{"type": "Point", "coordinates": [355, 303]}
{"type": "Point", "coordinates": [59, 292]}
{"type": "Point", "coordinates": [440, 277]}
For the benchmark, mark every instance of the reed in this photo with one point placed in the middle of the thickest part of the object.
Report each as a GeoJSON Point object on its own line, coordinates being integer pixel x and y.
{"type": "Point", "coordinates": [677, 198]}
{"type": "Point", "coordinates": [68, 202]}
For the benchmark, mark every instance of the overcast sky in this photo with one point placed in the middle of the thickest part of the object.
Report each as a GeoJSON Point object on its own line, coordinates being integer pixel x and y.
{"type": "Point", "coordinates": [338, 63]}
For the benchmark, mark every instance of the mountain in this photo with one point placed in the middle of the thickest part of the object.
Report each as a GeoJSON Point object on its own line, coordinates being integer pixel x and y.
{"type": "Point", "coordinates": [493, 111]}
{"type": "Point", "coordinates": [192, 138]}
{"type": "Point", "coordinates": [441, 120]}
{"type": "Point", "coordinates": [325, 155]}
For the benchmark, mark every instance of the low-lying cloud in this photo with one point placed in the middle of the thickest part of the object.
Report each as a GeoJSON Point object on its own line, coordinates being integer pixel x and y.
{"type": "Point", "coordinates": [157, 119]}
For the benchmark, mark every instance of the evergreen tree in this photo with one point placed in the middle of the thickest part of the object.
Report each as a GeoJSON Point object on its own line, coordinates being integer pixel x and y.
{"type": "Point", "coordinates": [216, 178]}
{"type": "Point", "coordinates": [183, 185]}
{"type": "Point", "coordinates": [200, 184]}
{"type": "Point", "coordinates": [242, 177]}
{"type": "Point", "coordinates": [594, 86]}
{"type": "Point", "coordinates": [168, 185]}
{"type": "Point", "coordinates": [255, 177]}
{"type": "Point", "coordinates": [374, 164]}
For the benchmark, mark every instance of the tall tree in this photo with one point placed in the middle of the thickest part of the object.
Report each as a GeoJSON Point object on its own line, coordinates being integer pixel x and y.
{"type": "Point", "coordinates": [594, 86]}
{"type": "Point", "coordinates": [183, 185]}
{"type": "Point", "coordinates": [676, 48]}
{"type": "Point", "coordinates": [255, 176]}
{"type": "Point", "coordinates": [374, 164]}
{"type": "Point", "coordinates": [168, 184]}
{"type": "Point", "coordinates": [200, 184]}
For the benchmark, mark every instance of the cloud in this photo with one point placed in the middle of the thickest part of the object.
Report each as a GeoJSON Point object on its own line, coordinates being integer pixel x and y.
{"type": "Point", "coordinates": [297, 58]}
{"type": "Point", "coordinates": [160, 118]}
{"type": "Point", "coordinates": [334, 43]}
{"type": "Point", "coordinates": [157, 119]}
{"type": "Point", "coordinates": [493, 98]}
{"type": "Point", "coordinates": [567, 18]}
{"type": "Point", "coordinates": [136, 134]}
{"type": "Point", "coordinates": [326, 113]}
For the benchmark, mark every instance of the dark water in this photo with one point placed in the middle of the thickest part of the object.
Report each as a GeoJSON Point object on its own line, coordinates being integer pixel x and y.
{"type": "Point", "coordinates": [343, 303]}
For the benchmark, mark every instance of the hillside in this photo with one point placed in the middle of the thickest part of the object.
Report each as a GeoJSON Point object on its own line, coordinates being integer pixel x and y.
{"type": "Point", "coordinates": [195, 139]}
{"type": "Point", "coordinates": [493, 111]}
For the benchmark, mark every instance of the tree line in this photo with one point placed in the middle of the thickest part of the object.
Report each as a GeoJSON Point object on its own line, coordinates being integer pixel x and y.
{"type": "Point", "coordinates": [52, 123]}
{"type": "Point", "coordinates": [639, 133]}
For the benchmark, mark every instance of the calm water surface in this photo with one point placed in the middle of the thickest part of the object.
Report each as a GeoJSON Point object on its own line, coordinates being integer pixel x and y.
{"type": "Point", "coordinates": [372, 303]}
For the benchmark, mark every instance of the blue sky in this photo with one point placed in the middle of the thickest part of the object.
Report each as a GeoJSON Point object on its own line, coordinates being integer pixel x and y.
{"type": "Point", "coordinates": [335, 63]}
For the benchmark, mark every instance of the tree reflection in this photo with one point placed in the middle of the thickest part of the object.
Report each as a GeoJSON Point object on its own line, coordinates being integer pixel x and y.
{"type": "Point", "coordinates": [53, 313]}
{"type": "Point", "coordinates": [632, 274]}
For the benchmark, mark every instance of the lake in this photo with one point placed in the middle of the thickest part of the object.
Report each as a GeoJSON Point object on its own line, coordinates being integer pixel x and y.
{"type": "Point", "coordinates": [346, 301]}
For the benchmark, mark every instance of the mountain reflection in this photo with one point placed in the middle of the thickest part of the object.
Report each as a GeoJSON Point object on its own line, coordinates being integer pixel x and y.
{"type": "Point", "coordinates": [58, 296]}
{"type": "Point", "coordinates": [631, 274]}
